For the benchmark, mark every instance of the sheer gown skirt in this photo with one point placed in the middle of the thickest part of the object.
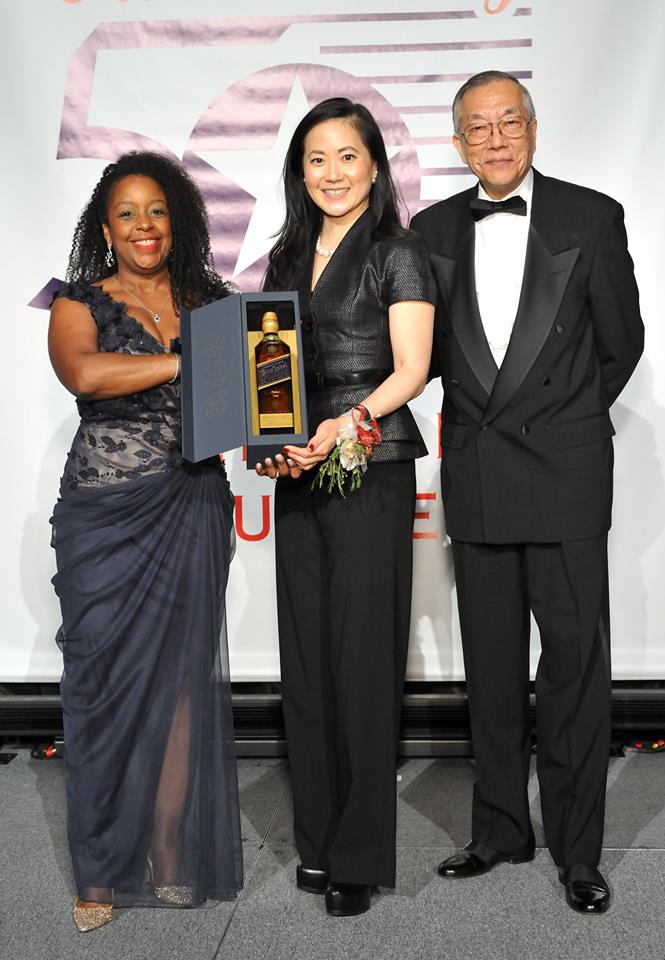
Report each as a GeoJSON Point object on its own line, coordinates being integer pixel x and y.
{"type": "Point", "coordinates": [152, 799]}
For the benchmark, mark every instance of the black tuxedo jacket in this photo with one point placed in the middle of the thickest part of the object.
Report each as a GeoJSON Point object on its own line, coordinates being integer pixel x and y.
{"type": "Point", "coordinates": [526, 449]}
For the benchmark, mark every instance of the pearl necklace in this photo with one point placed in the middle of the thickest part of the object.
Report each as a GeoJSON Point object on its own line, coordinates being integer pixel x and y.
{"type": "Point", "coordinates": [156, 318]}
{"type": "Point", "coordinates": [324, 251]}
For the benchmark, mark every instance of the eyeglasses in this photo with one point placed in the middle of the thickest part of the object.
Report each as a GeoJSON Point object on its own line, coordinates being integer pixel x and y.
{"type": "Point", "coordinates": [512, 127]}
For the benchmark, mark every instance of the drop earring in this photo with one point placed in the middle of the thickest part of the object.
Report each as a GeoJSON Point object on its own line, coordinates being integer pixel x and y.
{"type": "Point", "coordinates": [109, 256]}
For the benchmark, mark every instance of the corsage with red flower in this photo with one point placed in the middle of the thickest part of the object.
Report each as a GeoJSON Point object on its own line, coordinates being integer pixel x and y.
{"type": "Point", "coordinates": [346, 463]}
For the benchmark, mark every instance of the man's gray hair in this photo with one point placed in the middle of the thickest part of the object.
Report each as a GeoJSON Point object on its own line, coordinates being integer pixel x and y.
{"type": "Point", "coordinates": [479, 80]}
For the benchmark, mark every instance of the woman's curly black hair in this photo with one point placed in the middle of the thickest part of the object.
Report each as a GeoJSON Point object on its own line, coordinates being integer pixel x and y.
{"type": "Point", "coordinates": [191, 266]}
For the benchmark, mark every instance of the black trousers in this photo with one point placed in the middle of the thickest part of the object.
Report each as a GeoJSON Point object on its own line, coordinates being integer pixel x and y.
{"type": "Point", "coordinates": [344, 571]}
{"type": "Point", "coordinates": [566, 587]}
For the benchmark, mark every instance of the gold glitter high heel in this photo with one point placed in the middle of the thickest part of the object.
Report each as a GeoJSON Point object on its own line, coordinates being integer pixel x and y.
{"type": "Point", "coordinates": [178, 896]}
{"type": "Point", "coordinates": [170, 893]}
{"type": "Point", "coordinates": [89, 916]}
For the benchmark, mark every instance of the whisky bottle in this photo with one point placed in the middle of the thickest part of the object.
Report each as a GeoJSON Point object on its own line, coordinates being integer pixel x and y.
{"type": "Point", "coordinates": [273, 378]}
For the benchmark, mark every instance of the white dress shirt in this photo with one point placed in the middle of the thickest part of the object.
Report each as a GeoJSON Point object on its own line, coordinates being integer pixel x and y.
{"type": "Point", "coordinates": [501, 240]}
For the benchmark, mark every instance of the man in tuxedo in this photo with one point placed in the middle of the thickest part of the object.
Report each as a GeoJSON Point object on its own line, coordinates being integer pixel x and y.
{"type": "Point", "coordinates": [538, 331]}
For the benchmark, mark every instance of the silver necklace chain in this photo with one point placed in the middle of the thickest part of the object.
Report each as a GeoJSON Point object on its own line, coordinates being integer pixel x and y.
{"type": "Point", "coordinates": [156, 317]}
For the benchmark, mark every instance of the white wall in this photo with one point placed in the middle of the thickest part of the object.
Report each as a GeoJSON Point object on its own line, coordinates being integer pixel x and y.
{"type": "Point", "coordinates": [225, 94]}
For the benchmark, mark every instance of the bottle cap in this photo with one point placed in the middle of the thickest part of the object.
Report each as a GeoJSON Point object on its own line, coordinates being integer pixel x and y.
{"type": "Point", "coordinates": [269, 322]}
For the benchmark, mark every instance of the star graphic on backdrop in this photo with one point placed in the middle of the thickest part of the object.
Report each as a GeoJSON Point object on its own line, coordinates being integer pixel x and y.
{"type": "Point", "coordinates": [258, 173]}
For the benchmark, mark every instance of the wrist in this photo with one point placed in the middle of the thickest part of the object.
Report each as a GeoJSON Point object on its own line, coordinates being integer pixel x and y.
{"type": "Point", "coordinates": [343, 421]}
{"type": "Point", "coordinates": [346, 427]}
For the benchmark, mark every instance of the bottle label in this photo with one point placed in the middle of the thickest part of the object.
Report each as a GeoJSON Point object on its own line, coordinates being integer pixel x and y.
{"type": "Point", "coordinates": [270, 421]}
{"type": "Point", "coordinates": [270, 372]}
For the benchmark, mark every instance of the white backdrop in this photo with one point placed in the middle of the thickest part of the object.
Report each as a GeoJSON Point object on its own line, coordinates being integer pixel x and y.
{"type": "Point", "coordinates": [222, 85]}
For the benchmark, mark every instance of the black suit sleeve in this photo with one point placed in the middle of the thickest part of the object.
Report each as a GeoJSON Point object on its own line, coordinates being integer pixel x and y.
{"type": "Point", "coordinates": [615, 308]}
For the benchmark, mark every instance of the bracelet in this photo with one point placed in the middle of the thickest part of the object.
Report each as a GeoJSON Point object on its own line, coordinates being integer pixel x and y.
{"type": "Point", "coordinates": [365, 415]}
{"type": "Point", "coordinates": [177, 369]}
{"type": "Point", "coordinates": [364, 433]}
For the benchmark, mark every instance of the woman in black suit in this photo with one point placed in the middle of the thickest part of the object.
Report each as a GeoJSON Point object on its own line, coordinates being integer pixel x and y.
{"type": "Point", "coordinates": [344, 562]}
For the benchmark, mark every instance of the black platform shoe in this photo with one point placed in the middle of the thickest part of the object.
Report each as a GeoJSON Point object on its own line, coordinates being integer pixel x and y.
{"type": "Point", "coordinates": [313, 881]}
{"type": "Point", "coordinates": [348, 899]}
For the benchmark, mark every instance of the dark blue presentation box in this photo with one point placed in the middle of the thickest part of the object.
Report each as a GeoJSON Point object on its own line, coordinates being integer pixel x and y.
{"type": "Point", "coordinates": [219, 396]}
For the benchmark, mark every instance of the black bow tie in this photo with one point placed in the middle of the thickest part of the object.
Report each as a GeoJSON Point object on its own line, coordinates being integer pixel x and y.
{"type": "Point", "coordinates": [483, 208]}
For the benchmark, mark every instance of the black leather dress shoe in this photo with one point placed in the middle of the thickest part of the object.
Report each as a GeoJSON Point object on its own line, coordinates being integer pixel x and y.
{"type": "Point", "coordinates": [348, 899]}
{"type": "Point", "coordinates": [586, 888]}
{"type": "Point", "coordinates": [475, 859]}
{"type": "Point", "coordinates": [313, 881]}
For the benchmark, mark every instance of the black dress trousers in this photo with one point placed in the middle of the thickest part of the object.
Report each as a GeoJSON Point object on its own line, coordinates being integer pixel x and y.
{"type": "Point", "coordinates": [344, 571]}
{"type": "Point", "coordinates": [566, 586]}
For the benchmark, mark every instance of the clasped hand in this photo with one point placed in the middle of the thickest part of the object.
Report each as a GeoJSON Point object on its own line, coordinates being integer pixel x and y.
{"type": "Point", "coordinates": [297, 459]}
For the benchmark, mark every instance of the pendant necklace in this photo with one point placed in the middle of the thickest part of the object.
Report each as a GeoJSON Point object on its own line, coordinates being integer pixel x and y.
{"type": "Point", "coordinates": [324, 251]}
{"type": "Point", "coordinates": [156, 318]}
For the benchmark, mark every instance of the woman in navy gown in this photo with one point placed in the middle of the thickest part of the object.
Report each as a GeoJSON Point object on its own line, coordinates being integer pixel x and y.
{"type": "Point", "coordinates": [143, 542]}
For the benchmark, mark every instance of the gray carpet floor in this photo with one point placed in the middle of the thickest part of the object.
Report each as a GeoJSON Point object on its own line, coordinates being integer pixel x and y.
{"type": "Point", "coordinates": [513, 913]}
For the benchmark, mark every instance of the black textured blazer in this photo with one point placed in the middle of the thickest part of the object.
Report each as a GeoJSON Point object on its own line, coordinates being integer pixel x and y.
{"type": "Point", "coordinates": [526, 449]}
{"type": "Point", "coordinates": [345, 328]}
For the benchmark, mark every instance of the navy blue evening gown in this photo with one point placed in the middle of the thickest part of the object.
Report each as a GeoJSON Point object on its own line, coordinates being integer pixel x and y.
{"type": "Point", "coordinates": [143, 542]}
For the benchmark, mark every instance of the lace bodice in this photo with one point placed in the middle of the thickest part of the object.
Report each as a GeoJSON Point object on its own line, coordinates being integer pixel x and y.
{"type": "Point", "coordinates": [128, 437]}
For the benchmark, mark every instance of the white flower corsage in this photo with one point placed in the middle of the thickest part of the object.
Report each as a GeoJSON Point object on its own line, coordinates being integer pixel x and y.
{"type": "Point", "coordinates": [347, 461]}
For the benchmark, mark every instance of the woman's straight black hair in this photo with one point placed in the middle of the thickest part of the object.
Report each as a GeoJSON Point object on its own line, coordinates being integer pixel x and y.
{"type": "Point", "coordinates": [303, 218]}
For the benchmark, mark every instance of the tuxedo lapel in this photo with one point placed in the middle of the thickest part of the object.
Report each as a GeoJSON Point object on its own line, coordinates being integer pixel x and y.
{"type": "Point", "coordinates": [547, 269]}
{"type": "Point", "coordinates": [456, 278]}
